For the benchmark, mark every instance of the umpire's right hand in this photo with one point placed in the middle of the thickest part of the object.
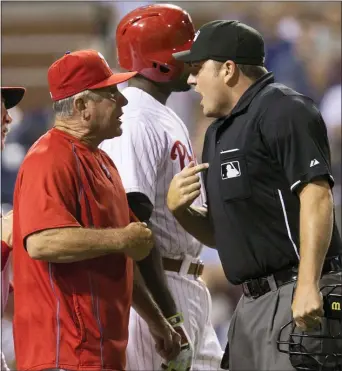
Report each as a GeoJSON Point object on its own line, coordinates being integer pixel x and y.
{"type": "Point", "coordinates": [185, 187]}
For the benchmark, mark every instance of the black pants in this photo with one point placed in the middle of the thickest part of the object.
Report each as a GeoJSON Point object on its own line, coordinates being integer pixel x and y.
{"type": "Point", "coordinates": [255, 327]}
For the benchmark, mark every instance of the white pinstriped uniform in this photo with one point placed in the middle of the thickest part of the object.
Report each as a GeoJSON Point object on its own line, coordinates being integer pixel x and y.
{"type": "Point", "coordinates": [153, 148]}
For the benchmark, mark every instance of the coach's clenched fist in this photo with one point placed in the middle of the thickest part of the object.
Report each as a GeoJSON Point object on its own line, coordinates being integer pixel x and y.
{"type": "Point", "coordinates": [185, 187]}
{"type": "Point", "coordinates": [139, 240]}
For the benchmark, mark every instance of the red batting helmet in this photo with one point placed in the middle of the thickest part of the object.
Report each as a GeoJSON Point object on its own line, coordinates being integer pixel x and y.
{"type": "Point", "coordinates": [148, 36]}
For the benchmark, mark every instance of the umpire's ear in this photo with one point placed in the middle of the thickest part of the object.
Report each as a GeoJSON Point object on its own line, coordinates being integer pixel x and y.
{"type": "Point", "coordinates": [230, 73]}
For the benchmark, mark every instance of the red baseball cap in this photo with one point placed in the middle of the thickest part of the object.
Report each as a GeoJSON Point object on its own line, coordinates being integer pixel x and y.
{"type": "Point", "coordinates": [12, 95]}
{"type": "Point", "coordinates": [79, 71]}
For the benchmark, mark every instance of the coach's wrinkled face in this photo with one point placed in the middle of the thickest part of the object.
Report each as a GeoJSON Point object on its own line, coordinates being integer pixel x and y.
{"type": "Point", "coordinates": [209, 78]}
{"type": "Point", "coordinates": [102, 112]}
{"type": "Point", "coordinates": [5, 122]}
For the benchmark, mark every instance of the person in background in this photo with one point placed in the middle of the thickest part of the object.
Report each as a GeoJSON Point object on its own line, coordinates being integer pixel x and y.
{"type": "Point", "coordinates": [154, 146]}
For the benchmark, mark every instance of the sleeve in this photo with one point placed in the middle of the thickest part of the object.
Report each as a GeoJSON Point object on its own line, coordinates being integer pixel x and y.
{"type": "Point", "coordinates": [297, 138]}
{"type": "Point", "coordinates": [47, 195]}
{"type": "Point", "coordinates": [137, 154]}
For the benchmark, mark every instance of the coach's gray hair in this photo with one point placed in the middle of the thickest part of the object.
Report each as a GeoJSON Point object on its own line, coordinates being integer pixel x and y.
{"type": "Point", "coordinates": [63, 108]}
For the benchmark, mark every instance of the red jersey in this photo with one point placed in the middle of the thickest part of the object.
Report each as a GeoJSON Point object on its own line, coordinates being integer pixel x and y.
{"type": "Point", "coordinates": [72, 316]}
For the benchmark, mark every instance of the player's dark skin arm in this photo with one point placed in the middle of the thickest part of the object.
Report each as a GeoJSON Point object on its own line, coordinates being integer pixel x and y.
{"type": "Point", "coordinates": [142, 300]}
{"type": "Point", "coordinates": [151, 268]}
{"type": "Point", "coordinates": [167, 341]}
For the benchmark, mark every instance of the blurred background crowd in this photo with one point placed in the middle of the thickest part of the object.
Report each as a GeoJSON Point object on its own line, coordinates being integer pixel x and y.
{"type": "Point", "coordinates": [303, 46]}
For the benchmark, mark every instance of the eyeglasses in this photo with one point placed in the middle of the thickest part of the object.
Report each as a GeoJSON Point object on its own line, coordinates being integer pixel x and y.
{"type": "Point", "coordinates": [112, 96]}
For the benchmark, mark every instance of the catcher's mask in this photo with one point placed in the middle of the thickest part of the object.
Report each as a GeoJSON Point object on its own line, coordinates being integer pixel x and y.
{"type": "Point", "coordinates": [319, 350]}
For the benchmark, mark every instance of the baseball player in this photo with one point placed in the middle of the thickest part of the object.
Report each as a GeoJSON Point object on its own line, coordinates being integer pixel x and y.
{"type": "Point", "coordinates": [10, 97]}
{"type": "Point", "coordinates": [154, 147]}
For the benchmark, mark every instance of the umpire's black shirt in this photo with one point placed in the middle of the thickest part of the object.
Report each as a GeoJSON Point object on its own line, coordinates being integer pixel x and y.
{"type": "Point", "coordinates": [273, 141]}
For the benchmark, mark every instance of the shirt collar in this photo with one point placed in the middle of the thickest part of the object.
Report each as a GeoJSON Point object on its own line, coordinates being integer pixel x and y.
{"type": "Point", "coordinates": [251, 92]}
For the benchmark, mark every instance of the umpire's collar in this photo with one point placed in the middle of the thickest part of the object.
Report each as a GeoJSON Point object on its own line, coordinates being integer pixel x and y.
{"type": "Point", "coordinates": [251, 92]}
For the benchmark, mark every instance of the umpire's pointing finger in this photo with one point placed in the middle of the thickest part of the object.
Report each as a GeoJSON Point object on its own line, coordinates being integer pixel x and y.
{"type": "Point", "coordinates": [192, 170]}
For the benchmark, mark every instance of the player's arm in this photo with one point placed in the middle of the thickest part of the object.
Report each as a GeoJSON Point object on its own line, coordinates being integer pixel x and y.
{"type": "Point", "coordinates": [184, 189]}
{"type": "Point", "coordinates": [151, 282]}
{"type": "Point", "coordinates": [67, 245]}
{"type": "Point", "coordinates": [167, 340]}
{"type": "Point", "coordinates": [151, 267]}
{"type": "Point", "coordinates": [142, 147]}
{"type": "Point", "coordinates": [143, 302]}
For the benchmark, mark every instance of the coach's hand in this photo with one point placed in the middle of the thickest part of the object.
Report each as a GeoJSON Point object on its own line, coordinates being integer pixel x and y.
{"type": "Point", "coordinates": [307, 306]}
{"type": "Point", "coordinates": [185, 187]}
{"type": "Point", "coordinates": [7, 228]}
{"type": "Point", "coordinates": [183, 361]}
{"type": "Point", "coordinates": [139, 241]}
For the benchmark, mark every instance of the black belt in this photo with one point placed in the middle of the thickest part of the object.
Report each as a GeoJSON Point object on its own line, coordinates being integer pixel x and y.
{"type": "Point", "coordinates": [259, 286]}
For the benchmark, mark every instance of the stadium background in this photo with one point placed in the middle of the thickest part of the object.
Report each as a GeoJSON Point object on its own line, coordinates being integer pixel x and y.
{"type": "Point", "coordinates": [303, 41]}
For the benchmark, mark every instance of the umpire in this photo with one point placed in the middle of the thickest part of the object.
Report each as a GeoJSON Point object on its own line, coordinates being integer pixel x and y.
{"type": "Point", "coordinates": [270, 209]}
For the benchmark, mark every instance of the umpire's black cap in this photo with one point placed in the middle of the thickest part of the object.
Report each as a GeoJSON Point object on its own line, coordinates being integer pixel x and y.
{"type": "Point", "coordinates": [226, 40]}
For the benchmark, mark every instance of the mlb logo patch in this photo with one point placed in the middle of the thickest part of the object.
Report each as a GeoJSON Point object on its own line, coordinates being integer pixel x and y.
{"type": "Point", "coordinates": [230, 170]}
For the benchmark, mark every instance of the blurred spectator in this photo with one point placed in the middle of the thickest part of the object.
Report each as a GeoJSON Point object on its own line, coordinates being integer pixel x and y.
{"type": "Point", "coordinates": [26, 129]}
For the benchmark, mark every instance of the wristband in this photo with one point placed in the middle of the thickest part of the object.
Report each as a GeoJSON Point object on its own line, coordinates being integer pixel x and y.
{"type": "Point", "coordinates": [176, 320]}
